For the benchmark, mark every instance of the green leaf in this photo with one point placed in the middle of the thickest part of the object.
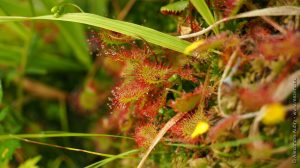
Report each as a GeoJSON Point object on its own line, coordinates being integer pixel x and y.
{"type": "Point", "coordinates": [204, 11]}
{"type": "Point", "coordinates": [58, 134]}
{"type": "Point", "coordinates": [175, 7]}
{"type": "Point", "coordinates": [3, 113]}
{"type": "Point", "coordinates": [1, 92]}
{"type": "Point", "coordinates": [237, 142]}
{"type": "Point", "coordinates": [31, 163]}
{"type": "Point", "coordinates": [186, 103]}
{"type": "Point", "coordinates": [7, 148]}
{"type": "Point", "coordinates": [130, 29]}
{"type": "Point", "coordinates": [107, 160]}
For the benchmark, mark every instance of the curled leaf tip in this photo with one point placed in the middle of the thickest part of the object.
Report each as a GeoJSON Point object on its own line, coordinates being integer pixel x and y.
{"type": "Point", "coordinates": [200, 129]}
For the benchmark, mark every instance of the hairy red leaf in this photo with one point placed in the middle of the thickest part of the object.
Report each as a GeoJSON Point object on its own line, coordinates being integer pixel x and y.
{"type": "Point", "coordinates": [144, 135]}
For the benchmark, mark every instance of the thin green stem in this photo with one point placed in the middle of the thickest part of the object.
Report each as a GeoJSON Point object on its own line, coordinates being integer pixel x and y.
{"type": "Point", "coordinates": [22, 67]}
{"type": "Point", "coordinates": [32, 8]}
{"type": "Point", "coordinates": [66, 148]}
{"type": "Point", "coordinates": [73, 5]}
{"type": "Point", "coordinates": [237, 142]}
{"type": "Point", "coordinates": [105, 161]}
{"type": "Point", "coordinates": [63, 115]}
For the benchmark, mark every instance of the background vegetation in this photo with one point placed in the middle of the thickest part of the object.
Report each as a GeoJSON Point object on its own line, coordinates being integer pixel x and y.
{"type": "Point", "coordinates": [76, 95]}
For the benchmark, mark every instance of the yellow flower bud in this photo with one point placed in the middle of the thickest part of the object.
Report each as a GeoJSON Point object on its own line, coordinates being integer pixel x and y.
{"type": "Point", "coordinates": [201, 128]}
{"type": "Point", "coordinates": [273, 114]}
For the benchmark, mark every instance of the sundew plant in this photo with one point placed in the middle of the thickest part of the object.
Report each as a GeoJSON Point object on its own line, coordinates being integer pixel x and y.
{"type": "Point", "coordinates": [149, 83]}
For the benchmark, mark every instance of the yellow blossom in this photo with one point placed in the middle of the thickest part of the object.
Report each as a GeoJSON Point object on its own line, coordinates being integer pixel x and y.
{"type": "Point", "coordinates": [201, 128]}
{"type": "Point", "coordinates": [273, 114]}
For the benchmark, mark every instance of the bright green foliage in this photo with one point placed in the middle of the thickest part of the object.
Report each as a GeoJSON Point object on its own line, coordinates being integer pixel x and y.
{"type": "Point", "coordinates": [7, 149]}
{"type": "Point", "coordinates": [205, 12]}
{"type": "Point", "coordinates": [31, 163]}
{"type": "Point", "coordinates": [8, 124]}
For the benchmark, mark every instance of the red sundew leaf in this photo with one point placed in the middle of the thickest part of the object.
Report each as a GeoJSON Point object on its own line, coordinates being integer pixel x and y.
{"type": "Point", "coordinates": [195, 25]}
{"type": "Point", "coordinates": [255, 99]}
{"type": "Point", "coordinates": [227, 52]}
{"type": "Point", "coordinates": [186, 73]}
{"type": "Point", "coordinates": [165, 12]}
{"type": "Point", "coordinates": [151, 73]}
{"type": "Point", "coordinates": [185, 127]}
{"type": "Point", "coordinates": [150, 109]}
{"type": "Point", "coordinates": [226, 6]}
{"type": "Point", "coordinates": [144, 135]}
{"type": "Point", "coordinates": [221, 126]}
{"type": "Point", "coordinates": [130, 91]}
{"type": "Point", "coordinates": [119, 116]}
{"type": "Point", "coordinates": [258, 33]}
{"type": "Point", "coordinates": [133, 54]}
{"type": "Point", "coordinates": [212, 42]}
{"type": "Point", "coordinates": [150, 105]}
{"type": "Point", "coordinates": [286, 45]}
{"type": "Point", "coordinates": [114, 38]}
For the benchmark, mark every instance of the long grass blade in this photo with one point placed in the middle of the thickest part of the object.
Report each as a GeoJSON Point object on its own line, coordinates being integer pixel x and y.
{"type": "Point", "coordinates": [66, 148]}
{"type": "Point", "coordinates": [110, 159]}
{"type": "Point", "coordinates": [56, 135]}
{"type": "Point", "coordinates": [237, 142]}
{"type": "Point", "coordinates": [130, 29]}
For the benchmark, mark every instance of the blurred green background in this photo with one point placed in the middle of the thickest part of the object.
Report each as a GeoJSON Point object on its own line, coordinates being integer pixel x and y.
{"type": "Point", "coordinates": [52, 80]}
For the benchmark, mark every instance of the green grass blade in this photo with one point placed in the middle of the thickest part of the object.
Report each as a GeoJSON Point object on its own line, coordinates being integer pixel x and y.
{"type": "Point", "coordinates": [204, 11]}
{"type": "Point", "coordinates": [237, 142]}
{"type": "Point", "coordinates": [126, 28]}
{"type": "Point", "coordinates": [66, 148]}
{"type": "Point", "coordinates": [105, 161]}
{"type": "Point", "coordinates": [58, 134]}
